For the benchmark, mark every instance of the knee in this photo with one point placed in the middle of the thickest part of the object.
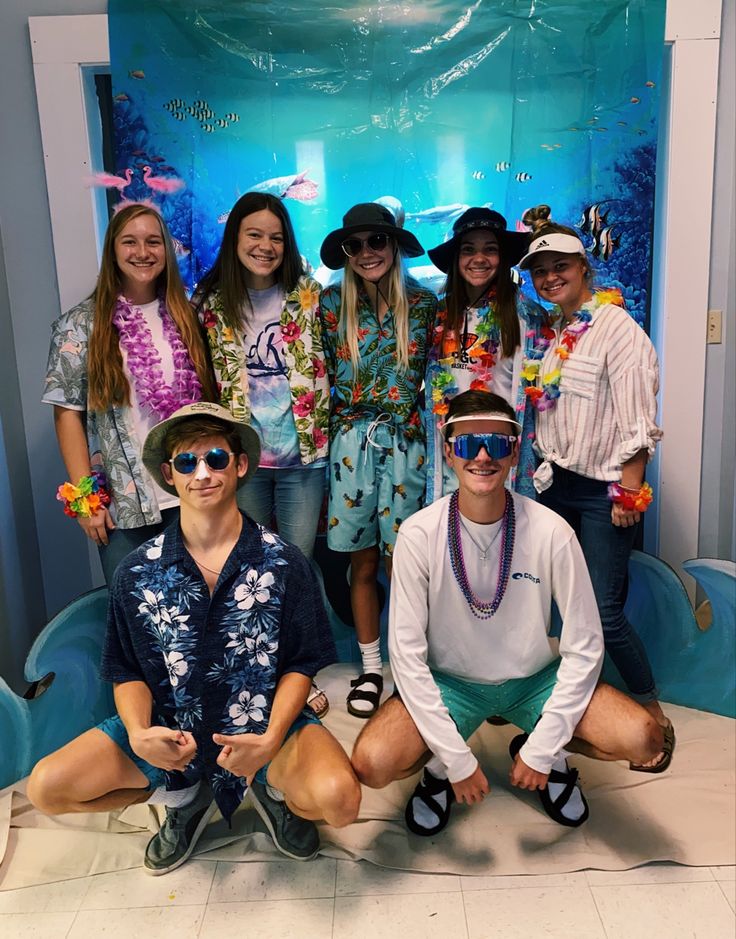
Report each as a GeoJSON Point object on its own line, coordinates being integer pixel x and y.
{"type": "Point", "coordinates": [43, 789]}
{"type": "Point", "coordinates": [369, 768]}
{"type": "Point", "coordinates": [646, 739]}
{"type": "Point", "coordinates": [339, 799]}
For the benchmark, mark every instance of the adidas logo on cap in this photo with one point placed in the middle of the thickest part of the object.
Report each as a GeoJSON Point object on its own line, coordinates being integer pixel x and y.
{"type": "Point", "coordinates": [541, 244]}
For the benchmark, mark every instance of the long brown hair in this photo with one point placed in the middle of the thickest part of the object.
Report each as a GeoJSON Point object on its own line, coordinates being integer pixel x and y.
{"type": "Point", "coordinates": [457, 299]}
{"type": "Point", "coordinates": [107, 384]}
{"type": "Point", "coordinates": [538, 219]}
{"type": "Point", "coordinates": [228, 275]}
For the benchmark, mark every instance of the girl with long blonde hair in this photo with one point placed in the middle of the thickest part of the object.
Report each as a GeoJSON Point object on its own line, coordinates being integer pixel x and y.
{"type": "Point", "coordinates": [120, 361]}
{"type": "Point", "coordinates": [376, 326]}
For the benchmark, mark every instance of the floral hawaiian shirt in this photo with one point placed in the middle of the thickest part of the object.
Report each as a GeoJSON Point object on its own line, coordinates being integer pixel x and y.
{"type": "Point", "coordinates": [305, 365]}
{"type": "Point", "coordinates": [213, 663]}
{"type": "Point", "coordinates": [378, 386]}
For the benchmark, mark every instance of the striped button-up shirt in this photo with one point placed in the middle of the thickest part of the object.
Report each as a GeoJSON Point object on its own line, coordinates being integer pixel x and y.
{"type": "Point", "coordinates": [607, 405]}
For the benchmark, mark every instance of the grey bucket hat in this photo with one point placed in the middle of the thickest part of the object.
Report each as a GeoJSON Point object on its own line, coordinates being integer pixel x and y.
{"type": "Point", "coordinates": [153, 448]}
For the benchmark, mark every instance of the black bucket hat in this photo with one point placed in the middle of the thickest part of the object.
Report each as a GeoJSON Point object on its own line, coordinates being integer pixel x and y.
{"type": "Point", "coordinates": [513, 244]}
{"type": "Point", "coordinates": [366, 216]}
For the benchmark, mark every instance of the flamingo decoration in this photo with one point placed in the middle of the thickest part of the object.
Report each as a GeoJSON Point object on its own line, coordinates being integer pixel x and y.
{"type": "Point", "coordinates": [109, 180]}
{"type": "Point", "coordinates": [163, 184]}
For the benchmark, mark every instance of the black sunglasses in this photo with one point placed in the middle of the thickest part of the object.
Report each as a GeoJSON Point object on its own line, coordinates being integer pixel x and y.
{"type": "Point", "coordinates": [376, 242]}
{"type": "Point", "coordinates": [216, 458]}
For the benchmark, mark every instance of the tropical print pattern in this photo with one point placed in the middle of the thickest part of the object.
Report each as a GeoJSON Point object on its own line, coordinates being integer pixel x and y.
{"type": "Point", "coordinates": [442, 386]}
{"type": "Point", "coordinates": [378, 386]}
{"type": "Point", "coordinates": [113, 443]}
{"type": "Point", "coordinates": [307, 375]}
{"type": "Point", "coordinates": [213, 663]}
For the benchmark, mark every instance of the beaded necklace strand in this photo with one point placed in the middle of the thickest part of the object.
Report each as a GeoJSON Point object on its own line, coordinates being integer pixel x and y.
{"type": "Point", "coordinates": [480, 608]}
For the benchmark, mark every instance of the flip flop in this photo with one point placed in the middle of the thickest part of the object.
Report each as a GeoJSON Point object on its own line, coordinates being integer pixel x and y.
{"type": "Point", "coordinates": [358, 693]}
{"type": "Point", "coordinates": [426, 789]}
{"type": "Point", "coordinates": [568, 779]}
{"type": "Point", "coordinates": [668, 748]}
{"type": "Point", "coordinates": [318, 701]}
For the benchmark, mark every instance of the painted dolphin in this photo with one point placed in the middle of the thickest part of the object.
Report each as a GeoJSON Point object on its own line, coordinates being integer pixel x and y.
{"type": "Point", "coordinates": [438, 214]}
{"type": "Point", "coordinates": [289, 187]}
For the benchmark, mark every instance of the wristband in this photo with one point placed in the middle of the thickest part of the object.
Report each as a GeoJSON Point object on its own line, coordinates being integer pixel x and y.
{"type": "Point", "coordinates": [632, 500]}
{"type": "Point", "coordinates": [86, 498]}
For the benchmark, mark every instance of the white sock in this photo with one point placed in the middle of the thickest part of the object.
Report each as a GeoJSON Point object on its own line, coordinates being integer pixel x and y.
{"type": "Point", "coordinates": [276, 794]}
{"type": "Point", "coordinates": [370, 653]}
{"type": "Point", "coordinates": [436, 767]}
{"type": "Point", "coordinates": [176, 799]}
{"type": "Point", "coordinates": [574, 807]}
{"type": "Point", "coordinates": [423, 815]}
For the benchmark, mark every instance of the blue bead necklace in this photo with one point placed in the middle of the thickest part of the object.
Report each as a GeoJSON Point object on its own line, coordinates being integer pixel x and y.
{"type": "Point", "coordinates": [480, 608]}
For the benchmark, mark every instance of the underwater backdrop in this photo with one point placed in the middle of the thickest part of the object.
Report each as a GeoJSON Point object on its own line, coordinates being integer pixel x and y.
{"type": "Point", "coordinates": [437, 105]}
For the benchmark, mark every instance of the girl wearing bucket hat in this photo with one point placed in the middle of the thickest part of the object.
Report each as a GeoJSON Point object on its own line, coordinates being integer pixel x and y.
{"type": "Point", "coordinates": [593, 380]}
{"type": "Point", "coordinates": [120, 361]}
{"type": "Point", "coordinates": [484, 327]}
{"type": "Point", "coordinates": [375, 329]}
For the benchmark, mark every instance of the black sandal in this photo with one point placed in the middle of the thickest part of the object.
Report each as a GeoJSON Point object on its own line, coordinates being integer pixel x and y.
{"type": "Point", "coordinates": [363, 694]}
{"type": "Point", "coordinates": [427, 788]}
{"type": "Point", "coordinates": [668, 748]}
{"type": "Point", "coordinates": [569, 779]}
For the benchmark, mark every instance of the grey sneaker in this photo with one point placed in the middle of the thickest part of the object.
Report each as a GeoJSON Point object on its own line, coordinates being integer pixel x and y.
{"type": "Point", "coordinates": [295, 837]}
{"type": "Point", "coordinates": [179, 834]}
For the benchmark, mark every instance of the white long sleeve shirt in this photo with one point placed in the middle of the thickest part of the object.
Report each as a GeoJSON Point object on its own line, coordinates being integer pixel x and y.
{"type": "Point", "coordinates": [432, 627]}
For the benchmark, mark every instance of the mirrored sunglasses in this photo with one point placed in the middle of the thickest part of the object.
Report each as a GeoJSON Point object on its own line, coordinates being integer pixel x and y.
{"type": "Point", "coordinates": [217, 459]}
{"type": "Point", "coordinates": [376, 242]}
{"type": "Point", "coordinates": [497, 446]}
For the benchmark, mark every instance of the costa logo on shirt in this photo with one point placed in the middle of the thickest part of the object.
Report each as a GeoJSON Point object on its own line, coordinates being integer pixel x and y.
{"type": "Point", "coordinates": [525, 576]}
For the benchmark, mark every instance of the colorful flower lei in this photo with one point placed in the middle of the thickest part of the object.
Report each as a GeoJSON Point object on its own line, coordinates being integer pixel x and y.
{"type": "Point", "coordinates": [484, 353]}
{"type": "Point", "coordinates": [144, 361]}
{"type": "Point", "coordinates": [87, 497]}
{"type": "Point", "coordinates": [632, 500]}
{"type": "Point", "coordinates": [546, 397]}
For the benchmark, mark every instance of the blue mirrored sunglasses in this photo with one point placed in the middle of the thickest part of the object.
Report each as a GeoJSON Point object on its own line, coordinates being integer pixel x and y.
{"type": "Point", "coordinates": [497, 446]}
{"type": "Point", "coordinates": [216, 458]}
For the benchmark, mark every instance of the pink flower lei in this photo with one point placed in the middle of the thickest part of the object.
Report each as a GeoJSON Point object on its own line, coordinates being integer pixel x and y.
{"type": "Point", "coordinates": [144, 361]}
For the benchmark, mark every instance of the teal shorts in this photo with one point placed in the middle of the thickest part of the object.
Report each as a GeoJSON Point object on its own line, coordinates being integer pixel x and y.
{"type": "Point", "coordinates": [519, 700]}
{"type": "Point", "coordinates": [377, 480]}
{"type": "Point", "coordinates": [115, 729]}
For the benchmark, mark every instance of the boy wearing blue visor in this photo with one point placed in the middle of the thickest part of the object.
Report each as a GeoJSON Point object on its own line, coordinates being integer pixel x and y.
{"type": "Point", "coordinates": [475, 575]}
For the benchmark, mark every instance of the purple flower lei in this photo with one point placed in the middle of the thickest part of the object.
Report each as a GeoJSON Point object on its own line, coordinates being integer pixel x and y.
{"type": "Point", "coordinates": [144, 361]}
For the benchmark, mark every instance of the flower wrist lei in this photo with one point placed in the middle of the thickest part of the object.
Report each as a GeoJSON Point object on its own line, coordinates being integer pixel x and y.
{"type": "Point", "coordinates": [87, 497]}
{"type": "Point", "coordinates": [631, 500]}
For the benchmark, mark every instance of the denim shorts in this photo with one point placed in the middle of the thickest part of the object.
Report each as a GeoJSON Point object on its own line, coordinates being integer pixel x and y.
{"type": "Point", "coordinates": [115, 729]}
{"type": "Point", "coordinates": [519, 700]}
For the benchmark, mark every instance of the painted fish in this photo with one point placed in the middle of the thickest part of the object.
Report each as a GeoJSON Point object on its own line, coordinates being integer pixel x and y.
{"type": "Point", "coordinates": [634, 100]}
{"type": "Point", "coordinates": [478, 175]}
{"type": "Point", "coordinates": [502, 166]}
{"type": "Point", "coordinates": [137, 73]}
{"type": "Point", "coordinates": [649, 84]}
{"type": "Point", "coordinates": [180, 249]}
{"type": "Point", "coordinates": [222, 123]}
{"type": "Point", "coordinates": [200, 104]}
{"type": "Point", "coordinates": [178, 116]}
{"type": "Point", "coordinates": [207, 128]}
{"type": "Point", "coordinates": [605, 244]}
{"type": "Point", "coordinates": [121, 97]}
{"type": "Point", "coordinates": [593, 219]}
{"type": "Point", "coordinates": [523, 177]}
{"type": "Point", "coordinates": [233, 118]}
{"type": "Point", "coordinates": [175, 104]}
{"type": "Point", "coordinates": [296, 187]}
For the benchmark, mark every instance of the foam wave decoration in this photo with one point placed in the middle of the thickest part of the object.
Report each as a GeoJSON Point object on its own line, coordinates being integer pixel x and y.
{"type": "Point", "coordinates": [70, 646]}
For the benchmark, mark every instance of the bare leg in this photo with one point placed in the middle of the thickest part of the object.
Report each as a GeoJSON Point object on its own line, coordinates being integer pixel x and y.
{"type": "Point", "coordinates": [89, 774]}
{"type": "Point", "coordinates": [364, 593]}
{"type": "Point", "coordinates": [616, 728]}
{"type": "Point", "coordinates": [314, 773]}
{"type": "Point", "coordinates": [389, 747]}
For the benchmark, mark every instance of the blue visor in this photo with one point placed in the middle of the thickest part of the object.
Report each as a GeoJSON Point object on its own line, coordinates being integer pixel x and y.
{"type": "Point", "coordinates": [497, 446]}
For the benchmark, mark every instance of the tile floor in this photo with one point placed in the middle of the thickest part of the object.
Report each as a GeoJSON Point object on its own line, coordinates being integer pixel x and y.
{"type": "Point", "coordinates": [346, 900]}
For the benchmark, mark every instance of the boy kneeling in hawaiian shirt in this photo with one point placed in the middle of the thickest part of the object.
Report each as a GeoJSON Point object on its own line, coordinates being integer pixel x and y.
{"type": "Point", "coordinates": [215, 628]}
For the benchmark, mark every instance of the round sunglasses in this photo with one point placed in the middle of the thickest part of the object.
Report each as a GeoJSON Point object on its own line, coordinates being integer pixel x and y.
{"type": "Point", "coordinates": [216, 459]}
{"type": "Point", "coordinates": [376, 242]}
{"type": "Point", "coordinates": [468, 446]}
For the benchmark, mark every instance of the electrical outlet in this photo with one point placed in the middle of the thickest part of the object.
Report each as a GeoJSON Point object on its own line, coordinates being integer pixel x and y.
{"type": "Point", "coordinates": [714, 326]}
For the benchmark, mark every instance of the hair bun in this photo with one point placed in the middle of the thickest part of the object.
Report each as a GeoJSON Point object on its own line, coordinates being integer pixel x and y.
{"type": "Point", "coordinates": [537, 217]}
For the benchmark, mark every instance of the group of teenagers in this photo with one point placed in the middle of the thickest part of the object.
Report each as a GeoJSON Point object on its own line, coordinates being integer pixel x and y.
{"type": "Point", "coordinates": [489, 450]}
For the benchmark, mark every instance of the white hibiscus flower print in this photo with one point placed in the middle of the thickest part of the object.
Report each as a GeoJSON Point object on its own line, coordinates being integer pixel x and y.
{"type": "Point", "coordinates": [267, 536]}
{"type": "Point", "coordinates": [247, 709]}
{"type": "Point", "coordinates": [254, 590]}
{"type": "Point", "coordinates": [154, 607]}
{"type": "Point", "coordinates": [176, 665]}
{"type": "Point", "coordinates": [260, 649]}
{"type": "Point", "coordinates": [154, 552]}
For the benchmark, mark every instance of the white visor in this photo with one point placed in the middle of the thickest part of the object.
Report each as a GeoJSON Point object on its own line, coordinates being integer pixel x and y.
{"type": "Point", "coordinates": [485, 416]}
{"type": "Point", "coordinates": [563, 244]}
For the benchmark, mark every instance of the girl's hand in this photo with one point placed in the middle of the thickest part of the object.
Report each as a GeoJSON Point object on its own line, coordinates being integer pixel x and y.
{"type": "Point", "coordinates": [622, 517]}
{"type": "Point", "coordinates": [96, 526]}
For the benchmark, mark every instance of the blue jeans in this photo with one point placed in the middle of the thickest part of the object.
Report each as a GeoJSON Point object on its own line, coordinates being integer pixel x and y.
{"type": "Point", "coordinates": [294, 495]}
{"type": "Point", "coordinates": [584, 504]}
{"type": "Point", "coordinates": [121, 541]}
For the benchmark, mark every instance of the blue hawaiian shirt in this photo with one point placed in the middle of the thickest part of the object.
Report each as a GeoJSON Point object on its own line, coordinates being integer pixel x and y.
{"type": "Point", "coordinates": [213, 663]}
